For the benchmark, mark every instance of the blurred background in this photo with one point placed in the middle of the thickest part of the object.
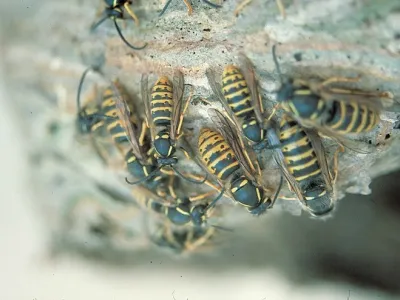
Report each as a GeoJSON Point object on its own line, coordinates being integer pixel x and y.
{"type": "Point", "coordinates": [49, 178]}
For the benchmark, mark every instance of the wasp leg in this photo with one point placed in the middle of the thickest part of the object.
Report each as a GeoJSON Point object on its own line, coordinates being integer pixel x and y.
{"type": "Point", "coordinates": [169, 236]}
{"type": "Point", "coordinates": [185, 152]}
{"type": "Point", "coordinates": [201, 196]}
{"type": "Point", "coordinates": [241, 6]}
{"type": "Point", "coordinates": [171, 187]}
{"type": "Point", "coordinates": [338, 79]}
{"type": "Point", "coordinates": [190, 246]}
{"type": "Point", "coordinates": [273, 112]}
{"type": "Point", "coordinates": [189, 7]}
{"type": "Point", "coordinates": [142, 135]}
{"type": "Point", "coordinates": [336, 163]}
{"type": "Point", "coordinates": [281, 8]}
{"type": "Point", "coordinates": [131, 13]}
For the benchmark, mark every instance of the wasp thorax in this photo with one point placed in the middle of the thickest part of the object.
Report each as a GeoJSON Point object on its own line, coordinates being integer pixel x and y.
{"type": "Point", "coordinates": [252, 130]}
{"type": "Point", "coordinates": [246, 193]}
{"type": "Point", "coordinates": [286, 91]}
{"type": "Point", "coordinates": [163, 144]}
{"type": "Point", "coordinates": [197, 213]}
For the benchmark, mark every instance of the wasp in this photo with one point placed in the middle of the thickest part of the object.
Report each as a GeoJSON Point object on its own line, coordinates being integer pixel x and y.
{"type": "Point", "coordinates": [240, 97]}
{"type": "Point", "coordinates": [335, 112]}
{"type": "Point", "coordinates": [184, 239]}
{"type": "Point", "coordinates": [302, 160]}
{"type": "Point", "coordinates": [114, 11]}
{"type": "Point", "coordinates": [117, 116]}
{"type": "Point", "coordinates": [188, 5]}
{"type": "Point", "coordinates": [165, 109]}
{"type": "Point", "coordinates": [178, 208]}
{"type": "Point", "coordinates": [225, 157]}
{"type": "Point", "coordinates": [90, 120]}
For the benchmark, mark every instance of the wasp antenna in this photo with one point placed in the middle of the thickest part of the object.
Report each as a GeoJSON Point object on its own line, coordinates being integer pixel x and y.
{"type": "Point", "coordinates": [124, 40]}
{"type": "Point", "coordinates": [212, 204]}
{"type": "Point", "coordinates": [95, 25]}
{"type": "Point", "coordinates": [189, 179]}
{"type": "Point", "coordinates": [78, 96]}
{"type": "Point", "coordinates": [212, 4]}
{"type": "Point", "coordinates": [143, 179]}
{"type": "Point", "coordinates": [276, 62]}
{"type": "Point", "coordinates": [165, 8]}
{"type": "Point", "coordinates": [222, 228]}
{"type": "Point", "coordinates": [277, 192]}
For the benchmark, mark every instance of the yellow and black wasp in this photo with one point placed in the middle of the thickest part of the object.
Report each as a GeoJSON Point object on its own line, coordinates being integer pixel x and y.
{"type": "Point", "coordinates": [165, 109]}
{"type": "Point", "coordinates": [223, 154]}
{"type": "Point", "coordinates": [188, 5]}
{"type": "Point", "coordinates": [335, 112]}
{"type": "Point", "coordinates": [117, 116]}
{"type": "Point", "coordinates": [114, 11]}
{"type": "Point", "coordinates": [301, 157]}
{"type": "Point", "coordinates": [241, 99]}
{"type": "Point", "coordinates": [90, 120]}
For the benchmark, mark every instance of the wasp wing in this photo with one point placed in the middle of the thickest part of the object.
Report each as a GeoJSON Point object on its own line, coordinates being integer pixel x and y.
{"type": "Point", "coordinates": [144, 82]}
{"type": "Point", "coordinates": [252, 83]}
{"type": "Point", "coordinates": [124, 114]}
{"type": "Point", "coordinates": [280, 161]}
{"type": "Point", "coordinates": [321, 155]}
{"type": "Point", "coordinates": [179, 105]}
{"type": "Point", "coordinates": [231, 136]}
{"type": "Point", "coordinates": [217, 89]}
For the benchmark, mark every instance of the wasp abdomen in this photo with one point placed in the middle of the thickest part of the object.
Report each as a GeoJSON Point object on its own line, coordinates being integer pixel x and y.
{"type": "Point", "coordinates": [298, 152]}
{"type": "Point", "coordinates": [236, 91]}
{"type": "Point", "coordinates": [216, 154]}
{"type": "Point", "coordinates": [351, 117]}
{"type": "Point", "coordinates": [161, 102]}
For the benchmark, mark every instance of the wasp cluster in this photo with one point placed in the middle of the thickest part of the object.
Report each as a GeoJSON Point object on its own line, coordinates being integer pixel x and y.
{"type": "Point", "coordinates": [183, 173]}
{"type": "Point", "coordinates": [202, 126]}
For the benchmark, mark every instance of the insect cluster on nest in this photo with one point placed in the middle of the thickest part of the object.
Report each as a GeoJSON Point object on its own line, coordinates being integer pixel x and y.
{"type": "Point", "coordinates": [156, 146]}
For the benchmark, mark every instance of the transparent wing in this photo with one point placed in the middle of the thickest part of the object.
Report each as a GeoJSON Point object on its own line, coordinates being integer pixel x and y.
{"type": "Point", "coordinates": [332, 88]}
{"type": "Point", "coordinates": [251, 80]}
{"type": "Point", "coordinates": [217, 90]}
{"type": "Point", "coordinates": [233, 138]}
{"type": "Point", "coordinates": [321, 155]}
{"type": "Point", "coordinates": [279, 159]}
{"type": "Point", "coordinates": [179, 104]}
{"type": "Point", "coordinates": [147, 106]}
{"type": "Point", "coordinates": [124, 114]}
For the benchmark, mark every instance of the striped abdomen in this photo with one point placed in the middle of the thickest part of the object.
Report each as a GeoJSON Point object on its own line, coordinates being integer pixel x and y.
{"type": "Point", "coordinates": [216, 154]}
{"type": "Point", "coordinates": [300, 157]}
{"type": "Point", "coordinates": [351, 117]}
{"type": "Point", "coordinates": [112, 120]}
{"type": "Point", "coordinates": [302, 163]}
{"type": "Point", "coordinates": [161, 102]}
{"type": "Point", "coordinates": [236, 91]}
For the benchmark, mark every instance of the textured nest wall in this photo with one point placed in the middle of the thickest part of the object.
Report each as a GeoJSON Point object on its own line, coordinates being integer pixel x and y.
{"type": "Point", "coordinates": [51, 46]}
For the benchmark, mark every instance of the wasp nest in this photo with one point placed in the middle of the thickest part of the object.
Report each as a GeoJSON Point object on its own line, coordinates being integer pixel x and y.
{"type": "Point", "coordinates": [91, 202]}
